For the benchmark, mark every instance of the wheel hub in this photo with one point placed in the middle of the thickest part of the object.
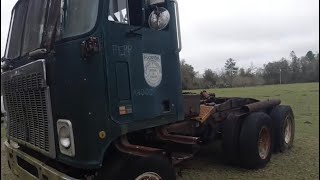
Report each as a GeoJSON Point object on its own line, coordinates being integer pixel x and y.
{"type": "Point", "coordinates": [287, 130]}
{"type": "Point", "coordinates": [149, 176]}
{"type": "Point", "coordinates": [264, 142]}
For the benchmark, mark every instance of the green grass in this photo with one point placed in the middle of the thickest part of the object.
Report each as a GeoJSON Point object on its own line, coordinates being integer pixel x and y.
{"type": "Point", "coordinates": [301, 162]}
{"type": "Point", "coordinates": [5, 172]}
{"type": "Point", "coordinates": [3, 131]}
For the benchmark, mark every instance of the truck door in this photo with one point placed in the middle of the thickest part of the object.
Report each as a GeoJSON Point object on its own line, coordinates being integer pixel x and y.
{"type": "Point", "coordinates": [142, 66]}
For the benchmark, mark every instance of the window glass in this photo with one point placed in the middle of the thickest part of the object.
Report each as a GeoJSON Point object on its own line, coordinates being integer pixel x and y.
{"type": "Point", "coordinates": [79, 16]}
{"type": "Point", "coordinates": [15, 30]}
{"type": "Point", "coordinates": [118, 11]}
{"type": "Point", "coordinates": [34, 25]}
{"type": "Point", "coordinates": [9, 35]}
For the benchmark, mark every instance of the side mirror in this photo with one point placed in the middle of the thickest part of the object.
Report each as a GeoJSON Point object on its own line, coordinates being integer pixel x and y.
{"type": "Point", "coordinates": [159, 18]}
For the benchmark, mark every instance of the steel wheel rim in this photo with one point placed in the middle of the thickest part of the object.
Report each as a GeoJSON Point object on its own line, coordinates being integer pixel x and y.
{"type": "Point", "coordinates": [264, 142]}
{"type": "Point", "coordinates": [149, 176]}
{"type": "Point", "coordinates": [287, 130]}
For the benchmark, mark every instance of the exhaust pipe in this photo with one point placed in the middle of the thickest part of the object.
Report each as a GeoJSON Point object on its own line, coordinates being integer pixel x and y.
{"type": "Point", "coordinates": [257, 106]}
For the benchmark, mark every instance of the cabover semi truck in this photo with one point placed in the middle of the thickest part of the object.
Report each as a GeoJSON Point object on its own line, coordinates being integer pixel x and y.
{"type": "Point", "coordinates": [92, 90]}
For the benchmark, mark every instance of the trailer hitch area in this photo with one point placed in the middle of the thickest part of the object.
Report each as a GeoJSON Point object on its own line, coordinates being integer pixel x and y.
{"type": "Point", "coordinates": [206, 113]}
{"type": "Point", "coordinates": [123, 145]}
{"type": "Point", "coordinates": [164, 135]}
{"type": "Point", "coordinates": [257, 106]}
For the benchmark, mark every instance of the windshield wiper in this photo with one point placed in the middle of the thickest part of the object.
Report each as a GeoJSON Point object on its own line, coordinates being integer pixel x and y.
{"type": "Point", "coordinates": [37, 52]}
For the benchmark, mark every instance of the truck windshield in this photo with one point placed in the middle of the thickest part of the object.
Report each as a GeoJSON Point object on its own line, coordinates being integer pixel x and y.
{"type": "Point", "coordinates": [28, 22]}
{"type": "Point", "coordinates": [26, 27]}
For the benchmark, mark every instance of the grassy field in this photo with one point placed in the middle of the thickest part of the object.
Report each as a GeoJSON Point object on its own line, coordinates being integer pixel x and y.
{"type": "Point", "coordinates": [5, 171]}
{"type": "Point", "coordinates": [302, 162]}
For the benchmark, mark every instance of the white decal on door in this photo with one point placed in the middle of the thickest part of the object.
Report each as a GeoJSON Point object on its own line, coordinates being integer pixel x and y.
{"type": "Point", "coordinates": [152, 69]}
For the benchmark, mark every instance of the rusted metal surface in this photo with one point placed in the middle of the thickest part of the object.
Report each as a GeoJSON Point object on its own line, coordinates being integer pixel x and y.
{"type": "Point", "coordinates": [257, 106]}
{"type": "Point", "coordinates": [184, 127]}
{"type": "Point", "coordinates": [205, 95]}
{"type": "Point", "coordinates": [164, 135]}
{"type": "Point", "coordinates": [234, 103]}
{"type": "Point", "coordinates": [191, 105]}
{"type": "Point", "coordinates": [124, 146]}
{"type": "Point", "coordinates": [264, 143]}
{"type": "Point", "coordinates": [207, 98]}
{"type": "Point", "coordinates": [206, 113]}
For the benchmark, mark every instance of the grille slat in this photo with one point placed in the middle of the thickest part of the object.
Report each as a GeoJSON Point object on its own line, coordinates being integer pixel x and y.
{"type": "Point", "coordinates": [27, 109]}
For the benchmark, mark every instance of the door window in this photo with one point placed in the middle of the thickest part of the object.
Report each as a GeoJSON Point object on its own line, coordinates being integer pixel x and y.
{"type": "Point", "coordinates": [118, 11]}
{"type": "Point", "coordinates": [126, 12]}
{"type": "Point", "coordinates": [78, 16]}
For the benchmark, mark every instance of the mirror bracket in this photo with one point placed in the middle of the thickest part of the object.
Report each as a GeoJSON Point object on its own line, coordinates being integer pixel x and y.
{"type": "Point", "coordinates": [89, 47]}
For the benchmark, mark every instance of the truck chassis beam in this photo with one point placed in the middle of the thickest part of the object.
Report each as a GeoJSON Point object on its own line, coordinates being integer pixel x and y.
{"type": "Point", "coordinates": [164, 135]}
{"type": "Point", "coordinates": [123, 145]}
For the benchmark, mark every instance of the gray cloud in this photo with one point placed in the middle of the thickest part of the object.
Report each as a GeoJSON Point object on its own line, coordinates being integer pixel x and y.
{"type": "Point", "coordinates": [249, 31]}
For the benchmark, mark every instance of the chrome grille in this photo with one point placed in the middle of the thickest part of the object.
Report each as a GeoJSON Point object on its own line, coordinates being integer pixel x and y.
{"type": "Point", "coordinates": [28, 107]}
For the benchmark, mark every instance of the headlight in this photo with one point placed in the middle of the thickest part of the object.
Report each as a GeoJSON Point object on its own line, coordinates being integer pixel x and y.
{"type": "Point", "coordinates": [159, 18]}
{"type": "Point", "coordinates": [65, 134]}
{"type": "Point", "coordinates": [64, 137]}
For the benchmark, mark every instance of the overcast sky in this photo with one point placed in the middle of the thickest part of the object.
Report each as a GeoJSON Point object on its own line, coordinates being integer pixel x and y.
{"type": "Point", "coordinates": [250, 31]}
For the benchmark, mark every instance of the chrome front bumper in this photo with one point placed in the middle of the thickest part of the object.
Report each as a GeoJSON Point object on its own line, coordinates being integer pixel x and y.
{"type": "Point", "coordinates": [40, 170]}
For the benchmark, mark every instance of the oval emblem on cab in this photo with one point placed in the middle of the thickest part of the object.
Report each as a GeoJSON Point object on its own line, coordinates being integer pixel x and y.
{"type": "Point", "coordinates": [152, 69]}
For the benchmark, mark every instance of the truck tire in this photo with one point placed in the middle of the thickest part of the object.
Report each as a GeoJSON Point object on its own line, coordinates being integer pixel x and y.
{"type": "Point", "coordinates": [283, 128]}
{"type": "Point", "coordinates": [256, 140]}
{"type": "Point", "coordinates": [128, 167]}
{"type": "Point", "coordinates": [230, 139]}
{"type": "Point", "coordinates": [113, 167]}
{"type": "Point", "coordinates": [155, 168]}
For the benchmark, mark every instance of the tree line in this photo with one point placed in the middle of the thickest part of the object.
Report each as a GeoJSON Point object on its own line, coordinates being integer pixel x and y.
{"type": "Point", "coordinates": [284, 71]}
